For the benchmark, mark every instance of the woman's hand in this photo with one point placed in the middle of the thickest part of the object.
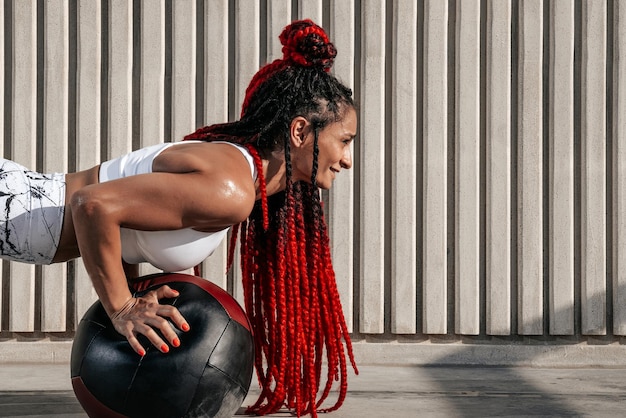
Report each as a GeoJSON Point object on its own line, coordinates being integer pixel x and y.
{"type": "Point", "coordinates": [145, 315]}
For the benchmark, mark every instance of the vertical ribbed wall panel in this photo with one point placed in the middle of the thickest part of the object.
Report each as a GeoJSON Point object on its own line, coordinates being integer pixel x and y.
{"type": "Point", "coordinates": [55, 146]}
{"type": "Point", "coordinates": [530, 169]}
{"type": "Point", "coordinates": [498, 168]}
{"type": "Point", "coordinates": [152, 73]}
{"type": "Point", "coordinates": [247, 61]}
{"type": "Point", "coordinates": [3, 68]}
{"type": "Point", "coordinates": [619, 172]}
{"type": "Point", "coordinates": [89, 82]}
{"type": "Point", "coordinates": [181, 106]}
{"type": "Point", "coordinates": [152, 106]}
{"type": "Point", "coordinates": [120, 78]}
{"type": "Point", "coordinates": [215, 101]}
{"type": "Point", "coordinates": [561, 168]}
{"type": "Point", "coordinates": [467, 170]}
{"type": "Point", "coordinates": [435, 138]}
{"type": "Point", "coordinates": [247, 47]}
{"type": "Point", "coordinates": [340, 210]}
{"type": "Point", "coordinates": [278, 16]}
{"type": "Point", "coordinates": [184, 47]}
{"type": "Point", "coordinates": [480, 201]}
{"type": "Point", "coordinates": [23, 145]}
{"type": "Point", "coordinates": [310, 9]}
{"type": "Point", "coordinates": [119, 105]}
{"type": "Point", "coordinates": [3, 86]}
{"type": "Point", "coordinates": [403, 180]}
{"type": "Point", "coordinates": [216, 50]}
{"type": "Point", "coordinates": [372, 173]}
{"type": "Point", "coordinates": [593, 166]}
{"type": "Point", "coordinates": [88, 115]}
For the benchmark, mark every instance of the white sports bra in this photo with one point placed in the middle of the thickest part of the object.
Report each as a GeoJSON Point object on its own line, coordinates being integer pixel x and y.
{"type": "Point", "coordinates": [166, 250]}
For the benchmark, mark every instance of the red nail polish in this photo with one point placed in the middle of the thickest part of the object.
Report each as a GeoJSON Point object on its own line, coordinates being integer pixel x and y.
{"type": "Point", "coordinates": [185, 327]}
{"type": "Point", "coordinates": [176, 342]}
{"type": "Point", "coordinates": [142, 353]}
{"type": "Point", "coordinates": [165, 348]}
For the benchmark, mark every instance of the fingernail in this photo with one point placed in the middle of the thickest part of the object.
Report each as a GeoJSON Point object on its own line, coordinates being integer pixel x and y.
{"type": "Point", "coordinates": [142, 353]}
{"type": "Point", "coordinates": [176, 291]}
{"type": "Point", "coordinates": [176, 342]}
{"type": "Point", "coordinates": [185, 327]}
{"type": "Point", "coordinates": [165, 348]}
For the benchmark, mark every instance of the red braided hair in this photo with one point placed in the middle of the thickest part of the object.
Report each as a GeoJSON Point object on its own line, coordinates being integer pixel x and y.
{"type": "Point", "coordinates": [305, 44]}
{"type": "Point", "coordinates": [290, 293]}
{"type": "Point", "coordinates": [294, 306]}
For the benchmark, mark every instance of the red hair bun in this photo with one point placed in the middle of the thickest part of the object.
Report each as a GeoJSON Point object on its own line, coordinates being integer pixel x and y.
{"type": "Point", "coordinates": [306, 44]}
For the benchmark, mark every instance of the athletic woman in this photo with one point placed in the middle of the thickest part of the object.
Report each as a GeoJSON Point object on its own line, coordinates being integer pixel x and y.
{"type": "Point", "coordinates": [172, 204]}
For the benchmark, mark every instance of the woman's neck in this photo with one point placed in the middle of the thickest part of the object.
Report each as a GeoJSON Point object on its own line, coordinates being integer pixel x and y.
{"type": "Point", "coordinates": [275, 173]}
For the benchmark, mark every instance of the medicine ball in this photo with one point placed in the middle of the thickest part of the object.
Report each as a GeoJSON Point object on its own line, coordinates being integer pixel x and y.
{"type": "Point", "coordinates": [208, 375]}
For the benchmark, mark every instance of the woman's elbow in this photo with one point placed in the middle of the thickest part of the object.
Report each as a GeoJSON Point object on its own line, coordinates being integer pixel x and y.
{"type": "Point", "coordinates": [238, 202]}
{"type": "Point", "coordinates": [84, 205]}
{"type": "Point", "coordinates": [239, 211]}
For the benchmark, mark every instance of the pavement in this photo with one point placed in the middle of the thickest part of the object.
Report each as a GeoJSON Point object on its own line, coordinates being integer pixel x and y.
{"type": "Point", "coordinates": [44, 390]}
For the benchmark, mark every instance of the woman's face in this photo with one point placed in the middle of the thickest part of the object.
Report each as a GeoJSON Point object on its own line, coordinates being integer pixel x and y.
{"type": "Point", "coordinates": [334, 142]}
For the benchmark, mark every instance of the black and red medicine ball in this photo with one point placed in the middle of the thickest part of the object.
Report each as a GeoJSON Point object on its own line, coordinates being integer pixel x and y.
{"type": "Point", "coordinates": [207, 376]}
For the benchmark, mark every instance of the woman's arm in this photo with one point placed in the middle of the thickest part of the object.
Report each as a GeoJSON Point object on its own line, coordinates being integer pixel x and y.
{"type": "Point", "coordinates": [98, 237]}
{"type": "Point", "coordinates": [156, 201]}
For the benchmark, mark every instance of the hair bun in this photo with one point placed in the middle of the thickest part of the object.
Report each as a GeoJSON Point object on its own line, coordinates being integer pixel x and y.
{"type": "Point", "coordinates": [306, 44]}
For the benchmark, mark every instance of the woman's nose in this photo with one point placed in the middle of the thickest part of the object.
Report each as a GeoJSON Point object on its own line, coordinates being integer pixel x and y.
{"type": "Point", "coordinates": [346, 160]}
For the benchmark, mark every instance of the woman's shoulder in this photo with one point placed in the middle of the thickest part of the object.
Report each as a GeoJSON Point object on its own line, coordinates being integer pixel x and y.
{"type": "Point", "coordinates": [221, 167]}
{"type": "Point", "coordinates": [210, 157]}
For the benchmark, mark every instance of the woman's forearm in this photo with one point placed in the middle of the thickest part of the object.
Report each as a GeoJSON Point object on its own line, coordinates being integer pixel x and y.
{"type": "Point", "coordinates": [98, 239]}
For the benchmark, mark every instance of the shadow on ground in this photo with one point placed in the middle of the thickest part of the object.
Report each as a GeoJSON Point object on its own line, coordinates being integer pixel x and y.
{"type": "Point", "coordinates": [40, 403]}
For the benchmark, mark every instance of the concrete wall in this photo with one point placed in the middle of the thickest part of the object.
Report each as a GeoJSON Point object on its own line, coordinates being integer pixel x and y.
{"type": "Point", "coordinates": [485, 210]}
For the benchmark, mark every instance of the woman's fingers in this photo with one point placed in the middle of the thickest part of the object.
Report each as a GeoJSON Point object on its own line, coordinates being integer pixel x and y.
{"type": "Point", "coordinates": [175, 316]}
{"type": "Point", "coordinates": [154, 338]}
{"type": "Point", "coordinates": [159, 323]}
{"type": "Point", "coordinates": [169, 311]}
{"type": "Point", "coordinates": [136, 345]}
{"type": "Point", "coordinates": [145, 315]}
{"type": "Point", "coordinates": [165, 292]}
{"type": "Point", "coordinates": [126, 329]}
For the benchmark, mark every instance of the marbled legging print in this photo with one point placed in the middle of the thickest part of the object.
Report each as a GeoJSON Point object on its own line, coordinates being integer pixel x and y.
{"type": "Point", "coordinates": [31, 213]}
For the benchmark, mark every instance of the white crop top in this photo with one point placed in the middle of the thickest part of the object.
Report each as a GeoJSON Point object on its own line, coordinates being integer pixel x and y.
{"type": "Point", "coordinates": [170, 251]}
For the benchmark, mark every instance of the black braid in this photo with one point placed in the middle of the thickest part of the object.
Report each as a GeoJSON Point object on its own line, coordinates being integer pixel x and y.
{"type": "Point", "coordinates": [288, 167]}
{"type": "Point", "coordinates": [293, 91]}
{"type": "Point", "coordinates": [316, 151]}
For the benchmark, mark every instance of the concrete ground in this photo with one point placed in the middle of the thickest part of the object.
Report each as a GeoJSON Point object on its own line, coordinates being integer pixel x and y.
{"type": "Point", "coordinates": [44, 390]}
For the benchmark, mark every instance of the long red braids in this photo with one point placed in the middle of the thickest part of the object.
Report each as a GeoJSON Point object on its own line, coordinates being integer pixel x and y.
{"type": "Point", "coordinates": [289, 284]}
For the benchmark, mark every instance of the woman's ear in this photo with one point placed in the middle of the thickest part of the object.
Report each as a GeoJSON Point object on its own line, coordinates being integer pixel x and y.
{"type": "Point", "coordinates": [298, 131]}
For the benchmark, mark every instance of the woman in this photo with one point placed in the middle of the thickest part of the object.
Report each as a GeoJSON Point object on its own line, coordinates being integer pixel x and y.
{"type": "Point", "coordinates": [260, 174]}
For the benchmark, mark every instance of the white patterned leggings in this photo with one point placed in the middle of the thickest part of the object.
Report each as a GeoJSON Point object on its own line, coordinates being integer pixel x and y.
{"type": "Point", "coordinates": [31, 213]}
